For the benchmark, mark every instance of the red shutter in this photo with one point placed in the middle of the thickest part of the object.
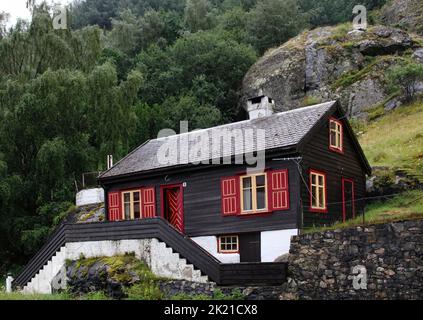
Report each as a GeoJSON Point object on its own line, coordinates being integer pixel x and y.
{"type": "Point", "coordinates": [229, 189]}
{"type": "Point", "coordinates": [114, 206]}
{"type": "Point", "coordinates": [278, 190]}
{"type": "Point", "coordinates": [148, 200]}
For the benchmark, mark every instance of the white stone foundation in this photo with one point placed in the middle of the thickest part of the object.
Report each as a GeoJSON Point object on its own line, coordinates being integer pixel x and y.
{"type": "Point", "coordinates": [162, 260]}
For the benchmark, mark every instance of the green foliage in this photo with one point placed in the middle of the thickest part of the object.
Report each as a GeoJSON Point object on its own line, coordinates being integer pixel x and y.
{"type": "Point", "coordinates": [407, 77]}
{"type": "Point", "coordinates": [204, 65]}
{"type": "Point", "coordinates": [217, 295]}
{"type": "Point", "coordinates": [272, 22]}
{"type": "Point", "coordinates": [29, 50]}
{"type": "Point", "coordinates": [330, 12]}
{"type": "Point", "coordinates": [198, 15]}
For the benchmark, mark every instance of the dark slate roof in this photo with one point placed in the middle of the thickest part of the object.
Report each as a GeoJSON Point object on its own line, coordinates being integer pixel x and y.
{"type": "Point", "coordinates": [281, 130]}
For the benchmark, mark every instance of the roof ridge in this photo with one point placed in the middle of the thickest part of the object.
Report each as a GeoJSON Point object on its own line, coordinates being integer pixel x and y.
{"type": "Point", "coordinates": [249, 120]}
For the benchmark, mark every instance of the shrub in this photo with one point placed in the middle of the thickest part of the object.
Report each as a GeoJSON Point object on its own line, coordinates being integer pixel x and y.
{"type": "Point", "coordinates": [406, 78]}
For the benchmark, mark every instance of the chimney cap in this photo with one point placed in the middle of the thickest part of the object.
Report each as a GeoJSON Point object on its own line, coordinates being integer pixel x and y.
{"type": "Point", "coordinates": [259, 106]}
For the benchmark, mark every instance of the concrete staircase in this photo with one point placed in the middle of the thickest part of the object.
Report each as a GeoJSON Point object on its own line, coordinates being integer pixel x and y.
{"type": "Point", "coordinates": [162, 260]}
{"type": "Point", "coordinates": [41, 282]}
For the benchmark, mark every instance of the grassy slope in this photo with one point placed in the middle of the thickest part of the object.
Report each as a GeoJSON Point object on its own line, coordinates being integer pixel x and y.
{"type": "Point", "coordinates": [406, 206]}
{"type": "Point", "coordinates": [396, 139]}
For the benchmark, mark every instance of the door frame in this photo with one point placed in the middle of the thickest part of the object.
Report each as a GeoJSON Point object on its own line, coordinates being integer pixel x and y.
{"type": "Point", "coordinates": [344, 209]}
{"type": "Point", "coordinates": [163, 188]}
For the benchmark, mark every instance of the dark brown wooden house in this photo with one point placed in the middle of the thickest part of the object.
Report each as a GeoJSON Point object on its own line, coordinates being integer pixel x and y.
{"type": "Point", "coordinates": [222, 203]}
{"type": "Point", "coordinates": [313, 172]}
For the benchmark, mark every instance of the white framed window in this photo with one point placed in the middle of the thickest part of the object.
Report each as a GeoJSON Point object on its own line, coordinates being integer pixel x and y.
{"type": "Point", "coordinates": [228, 244]}
{"type": "Point", "coordinates": [131, 204]}
{"type": "Point", "coordinates": [253, 193]}
{"type": "Point", "coordinates": [335, 135]}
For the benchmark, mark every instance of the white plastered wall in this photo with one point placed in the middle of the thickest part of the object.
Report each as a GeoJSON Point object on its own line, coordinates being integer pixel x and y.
{"type": "Point", "coordinates": [209, 243]}
{"type": "Point", "coordinates": [275, 243]}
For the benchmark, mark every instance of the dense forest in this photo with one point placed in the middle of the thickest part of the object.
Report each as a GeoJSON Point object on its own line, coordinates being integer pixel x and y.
{"type": "Point", "coordinates": [123, 70]}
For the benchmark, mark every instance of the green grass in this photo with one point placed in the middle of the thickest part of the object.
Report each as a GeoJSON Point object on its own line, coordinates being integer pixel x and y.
{"type": "Point", "coordinates": [395, 140]}
{"type": "Point", "coordinates": [406, 206]}
{"type": "Point", "coordinates": [20, 296]}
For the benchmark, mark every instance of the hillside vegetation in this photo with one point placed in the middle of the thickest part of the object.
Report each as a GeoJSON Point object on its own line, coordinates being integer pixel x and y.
{"type": "Point", "coordinates": [395, 140]}
{"type": "Point", "coordinates": [406, 206]}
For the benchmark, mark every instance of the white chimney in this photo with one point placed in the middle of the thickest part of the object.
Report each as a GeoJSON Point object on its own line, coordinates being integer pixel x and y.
{"type": "Point", "coordinates": [261, 106]}
{"type": "Point", "coordinates": [109, 161]}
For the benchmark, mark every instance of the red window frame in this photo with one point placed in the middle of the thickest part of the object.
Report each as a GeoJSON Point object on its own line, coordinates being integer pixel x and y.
{"type": "Point", "coordinates": [332, 148]}
{"type": "Point", "coordinates": [318, 210]}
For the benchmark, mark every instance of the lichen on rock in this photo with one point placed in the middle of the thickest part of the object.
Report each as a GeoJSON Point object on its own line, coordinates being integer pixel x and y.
{"type": "Point", "coordinates": [111, 275]}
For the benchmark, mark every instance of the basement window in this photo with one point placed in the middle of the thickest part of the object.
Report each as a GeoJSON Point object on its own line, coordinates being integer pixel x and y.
{"type": "Point", "coordinates": [253, 193]}
{"type": "Point", "coordinates": [228, 244]}
{"type": "Point", "coordinates": [318, 191]}
{"type": "Point", "coordinates": [335, 135]}
{"type": "Point", "coordinates": [131, 204]}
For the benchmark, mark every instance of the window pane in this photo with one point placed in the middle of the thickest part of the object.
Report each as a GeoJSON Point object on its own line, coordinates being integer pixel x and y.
{"type": "Point", "coordinates": [313, 179]}
{"type": "Point", "coordinates": [127, 211]}
{"type": "Point", "coordinates": [320, 180]}
{"type": "Point", "coordinates": [261, 198]}
{"type": "Point", "coordinates": [136, 196]}
{"type": "Point", "coordinates": [333, 139]}
{"type": "Point", "coordinates": [126, 197]}
{"type": "Point", "coordinates": [246, 182]}
{"type": "Point", "coordinates": [332, 125]}
{"type": "Point", "coordinates": [313, 196]}
{"type": "Point", "coordinates": [321, 197]}
{"type": "Point", "coordinates": [137, 210]}
{"type": "Point", "coordinates": [260, 181]}
{"type": "Point", "coordinates": [248, 199]}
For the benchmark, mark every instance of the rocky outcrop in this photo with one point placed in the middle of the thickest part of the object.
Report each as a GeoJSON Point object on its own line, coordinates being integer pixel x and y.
{"type": "Point", "coordinates": [110, 275]}
{"type": "Point", "coordinates": [331, 63]}
{"type": "Point", "coordinates": [406, 14]}
{"type": "Point", "coordinates": [86, 214]}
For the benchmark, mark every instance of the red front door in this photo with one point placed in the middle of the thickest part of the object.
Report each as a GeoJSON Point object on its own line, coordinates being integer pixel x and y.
{"type": "Point", "coordinates": [173, 207]}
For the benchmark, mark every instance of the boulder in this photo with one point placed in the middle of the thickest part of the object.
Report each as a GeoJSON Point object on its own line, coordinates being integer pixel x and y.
{"type": "Point", "coordinates": [331, 63]}
{"type": "Point", "coordinates": [406, 14]}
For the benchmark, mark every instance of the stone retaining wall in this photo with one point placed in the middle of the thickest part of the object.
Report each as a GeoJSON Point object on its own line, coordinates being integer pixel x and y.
{"type": "Point", "coordinates": [326, 265]}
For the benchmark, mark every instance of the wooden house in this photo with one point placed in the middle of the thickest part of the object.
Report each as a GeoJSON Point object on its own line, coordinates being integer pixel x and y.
{"type": "Point", "coordinates": [313, 172]}
{"type": "Point", "coordinates": [219, 204]}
